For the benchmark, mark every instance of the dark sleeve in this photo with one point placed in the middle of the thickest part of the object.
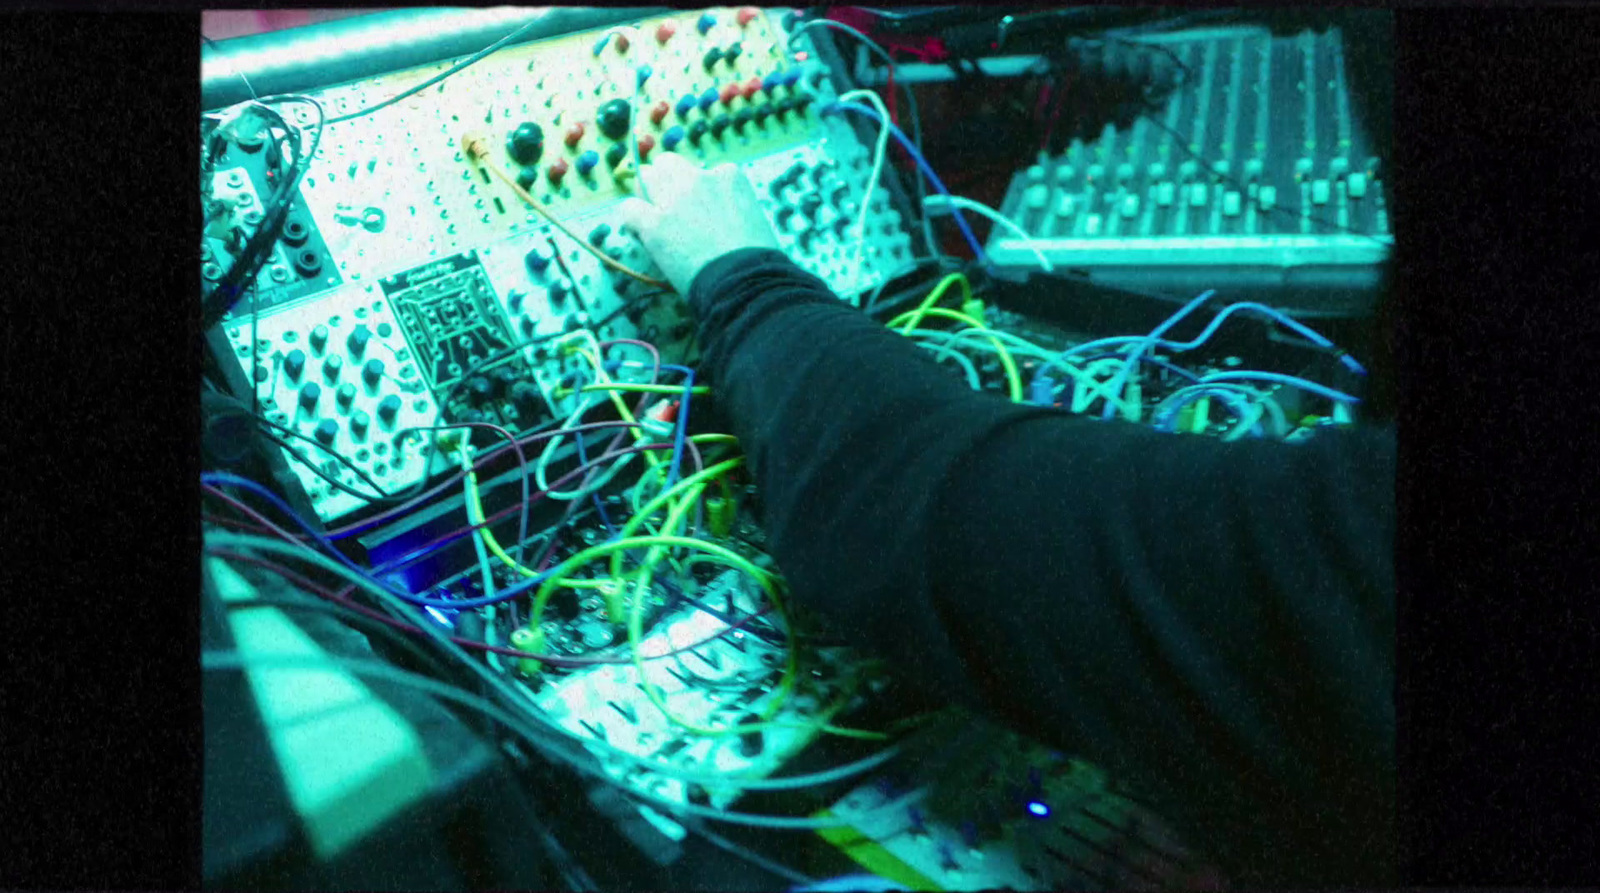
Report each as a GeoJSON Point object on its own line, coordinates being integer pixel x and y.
{"type": "Point", "coordinates": [1214, 621]}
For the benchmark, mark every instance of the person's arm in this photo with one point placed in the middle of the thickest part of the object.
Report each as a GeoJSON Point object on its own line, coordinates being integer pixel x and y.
{"type": "Point", "coordinates": [1214, 620]}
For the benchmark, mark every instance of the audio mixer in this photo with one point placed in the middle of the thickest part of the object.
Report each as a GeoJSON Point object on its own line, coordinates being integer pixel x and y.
{"type": "Point", "coordinates": [1255, 174]}
{"type": "Point", "coordinates": [403, 264]}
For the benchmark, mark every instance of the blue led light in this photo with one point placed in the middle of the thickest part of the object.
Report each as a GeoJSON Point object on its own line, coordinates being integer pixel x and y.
{"type": "Point", "coordinates": [439, 616]}
{"type": "Point", "coordinates": [1039, 809]}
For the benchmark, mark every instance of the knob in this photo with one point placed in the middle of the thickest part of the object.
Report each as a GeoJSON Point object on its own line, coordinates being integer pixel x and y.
{"type": "Point", "coordinates": [782, 107]}
{"type": "Point", "coordinates": [528, 326]}
{"type": "Point", "coordinates": [310, 393]}
{"type": "Point", "coordinates": [750, 89]}
{"type": "Point", "coordinates": [810, 205]}
{"type": "Point", "coordinates": [731, 54]}
{"type": "Point", "coordinates": [612, 119]}
{"type": "Point", "coordinates": [728, 94]}
{"type": "Point", "coordinates": [372, 373]}
{"type": "Point", "coordinates": [294, 363]}
{"type": "Point", "coordinates": [504, 378]}
{"type": "Point", "coordinates": [359, 421]}
{"type": "Point", "coordinates": [479, 388]}
{"type": "Point", "coordinates": [597, 236]}
{"type": "Point", "coordinates": [697, 132]}
{"type": "Point", "coordinates": [319, 338]}
{"type": "Point", "coordinates": [536, 261]}
{"type": "Point", "coordinates": [658, 113]}
{"type": "Point", "coordinates": [559, 291]}
{"type": "Point", "coordinates": [740, 119]}
{"type": "Point", "coordinates": [556, 171]}
{"type": "Point", "coordinates": [587, 161]}
{"type": "Point", "coordinates": [761, 113]}
{"type": "Point", "coordinates": [327, 430]}
{"type": "Point", "coordinates": [709, 99]}
{"type": "Point", "coordinates": [671, 138]}
{"type": "Point", "coordinates": [771, 82]}
{"type": "Point", "coordinates": [388, 408]}
{"type": "Point", "coordinates": [705, 23]}
{"type": "Point", "coordinates": [712, 57]}
{"type": "Point", "coordinates": [574, 133]}
{"type": "Point", "coordinates": [745, 16]}
{"type": "Point", "coordinates": [526, 143]}
{"type": "Point", "coordinates": [357, 342]}
{"type": "Point", "coordinates": [524, 394]}
{"type": "Point", "coordinates": [615, 154]}
{"type": "Point", "coordinates": [514, 300]}
{"type": "Point", "coordinates": [686, 105]}
{"type": "Point", "coordinates": [345, 395]}
{"type": "Point", "coordinates": [526, 178]}
{"type": "Point", "coordinates": [718, 125]}
{"type": "Point", "coordinates": [331, 367]}
{"type": "Point", "coordinates": [801, 100]}
{"type": "Point", "coordinates": [664, 32]}
{"type": "Point", "coordinates": [791, 77]}
{"type": "Point", "coordinates": [642, 74]}
{"type": "Point", "coordinates": [646, 143]}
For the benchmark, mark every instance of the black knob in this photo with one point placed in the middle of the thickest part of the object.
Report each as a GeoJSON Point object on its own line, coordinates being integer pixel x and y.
{"type": "Point", "coordinates": [345, 395]}
{"type": "Point", "coordinates": [762, 112]}
{"type": "Point", "coordinates": [810, 203]}
{"type": "Point", "coordinates": [310, 392]}
{"type": "Point", "coordinates": [295, 232]}
{"type": "Point", "coordinates": [615, 154]}
{"type": "Point", "coordinates": [613, 118]}
{"type": "Point", "coordinates": [528, 327]}
{"type": "Point", "coordinates": [599, 234]}
{"type": "Point", "coordinates": [526, 143]}
{"type": "Point", "coordinates": [740, 119]}
{"type": "Point", "coordinates": [504, 378]}
{"type": "Point", "coordinates": [327, 430]}
{"type": "Point", "coordinates": [536, 261]}
{"type": "Point", "coordinates": [388, 408]}
{"type": "Point", "coordinates": [372, 373]}
{"type": "Point", "coordinates": [294, 363]}
{"type": "Point", "coordinates": [697, 132]}
{"type": "Point", "coordinates": [524, 394]}
{"type": "Point", "coordinates": [559, 291]}
{"type": "Point", "coordinates": [514, 300]}
{"type": "Point", "coordinates": [783, 107]}
{"type": "Point", "coordinates": [732, 53]}
{"type": "Point", "coordinates": [357, 342]}
{"type": "Point", "coordinates": [801, 101]}
{"type": "Point", "coordinates": [331, 367]}
{"type": "Point", "coordinates": [527, 178]}
{"type": "Point", "coordinates": [479, 388]}
{"type": "Point", "coordinates": [573, 323]}
{"type": "Point", "coordinates": [713, 56]}
{"type": "Point", "coordinates": [718, 125]}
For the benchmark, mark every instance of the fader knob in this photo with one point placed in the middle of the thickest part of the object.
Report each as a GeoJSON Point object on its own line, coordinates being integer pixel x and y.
{"type": "Point", "coordinates": [294, 364]}
{"type": "Point", "coordinates": [357, 342]}
{"type": "Point", "coordinates": [326, 431]}
{"type": "Point", "coordinates": [526, 143]}
{"type": "Point", "coordinates": [612, 119]}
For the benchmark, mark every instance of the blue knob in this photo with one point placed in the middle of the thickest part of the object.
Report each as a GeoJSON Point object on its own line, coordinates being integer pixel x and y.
{"type": "Point", "coordinates": [309, 394]}
{"type": "Point", "coordinates": [771, 81]}
{"type": "Point", "coordinates": [705, 23]}
{"type": "Point", "coordinates": [791, 77]}
{"type": "Point", "coordinates": [294, 363]}
{"type": "Point", "coordinates": [587, 161]}
{"type": "Point", "coordinates": [327, 431]}
{"type": "Point", "coordinates": [708, 99]}
{"type": "Point", "coordinates": [672, 138]}
{"type": "Point", "coordinates": [685, 106]}
{"type": "Point", "coordinates": [643, 73]}
{"type": "Point", "coordinates": [536, 261]}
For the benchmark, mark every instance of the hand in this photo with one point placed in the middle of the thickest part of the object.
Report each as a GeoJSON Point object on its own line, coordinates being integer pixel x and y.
{"type": "Point", "coordinates": [695, 216]}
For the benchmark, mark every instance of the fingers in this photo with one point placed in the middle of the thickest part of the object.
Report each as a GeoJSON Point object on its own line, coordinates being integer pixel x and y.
{"type": "Point", "coordinates": [638, 216]}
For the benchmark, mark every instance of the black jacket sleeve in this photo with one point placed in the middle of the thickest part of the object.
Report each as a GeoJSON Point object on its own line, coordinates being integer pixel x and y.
{"type": "Point", "coordinates": [1212, 621]}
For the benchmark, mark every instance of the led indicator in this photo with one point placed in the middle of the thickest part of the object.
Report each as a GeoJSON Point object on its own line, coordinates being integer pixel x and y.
{"type": "Point", "coordinates": [1039, 809]}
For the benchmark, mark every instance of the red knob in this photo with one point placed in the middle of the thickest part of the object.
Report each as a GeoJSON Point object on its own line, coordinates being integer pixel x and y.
{"type": "Point", "coordinates": [574, 133]}
{"type": "Point", "coordinates": [751, 88]}
{"type": "Point", "coordinates": [746, 15]}
{"type": "Point", "coordinates": [729, 92]}
{"type": "Point", "coordinates": [622, 43]}
{"type": "Point", "coordinates": [646, 143]}
{"type": "Point", "coordinates": [557, 170]}
{"type": "Point", "coordinates": [660, 111]}
{"type": "Point", "coordinates": [665, 31]}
